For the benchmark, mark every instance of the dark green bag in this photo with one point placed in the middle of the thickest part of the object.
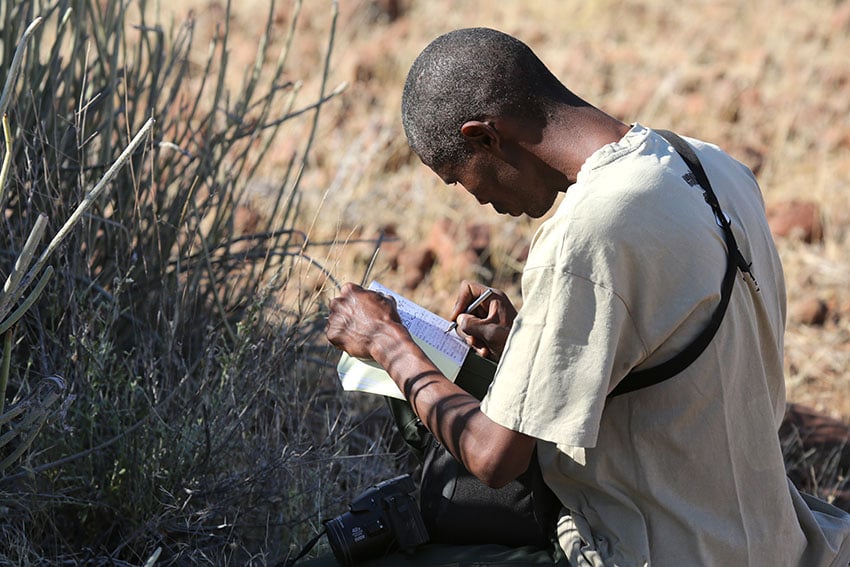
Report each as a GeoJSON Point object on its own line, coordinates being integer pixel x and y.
{"type": "Point", "coordinates": [457, 507]}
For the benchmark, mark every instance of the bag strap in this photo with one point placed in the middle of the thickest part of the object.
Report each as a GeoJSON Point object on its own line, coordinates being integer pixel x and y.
{"type": "Point", "coordinates": [638, 379]}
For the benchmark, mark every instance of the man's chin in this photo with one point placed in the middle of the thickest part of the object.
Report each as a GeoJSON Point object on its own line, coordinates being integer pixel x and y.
{"type": "Point", "coordinates": [532, 214]}
{"type": "Point", "coordinates": [517, 213]}
{"type": "Point", "coordinates": [536, 214]}
{"type": "Point", "coordinates": [540, 210]}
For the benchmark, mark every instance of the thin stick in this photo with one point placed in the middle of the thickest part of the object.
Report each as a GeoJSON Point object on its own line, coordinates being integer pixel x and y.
{"type": "Point", "coordinates": [7, 157]}
{"type": "Point", "coordinates": [12, 289]}
{"type": "Point", "coordinates": [16, 64]}
{"type": "Point", "coordinates": [368, 271]}
{"type": "Point", "coordinates": [4, 369]}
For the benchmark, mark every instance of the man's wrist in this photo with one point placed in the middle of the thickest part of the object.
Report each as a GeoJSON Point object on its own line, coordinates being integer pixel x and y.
{"type": "Point", "coordinates": [386, 344]}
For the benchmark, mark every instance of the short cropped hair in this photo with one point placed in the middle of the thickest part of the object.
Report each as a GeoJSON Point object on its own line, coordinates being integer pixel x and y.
{"type": "Point", "coordinates": [471, 74]}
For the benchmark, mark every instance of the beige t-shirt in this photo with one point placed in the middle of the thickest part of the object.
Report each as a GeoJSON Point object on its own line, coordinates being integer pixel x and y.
{"type": "Point", "coordinates": [624, 275]}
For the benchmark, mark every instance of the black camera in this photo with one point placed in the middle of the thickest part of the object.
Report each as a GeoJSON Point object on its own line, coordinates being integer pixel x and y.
{"type": "Point", "coordinates": [382, 519]}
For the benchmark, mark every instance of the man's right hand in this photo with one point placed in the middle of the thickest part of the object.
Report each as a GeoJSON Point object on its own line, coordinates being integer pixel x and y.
{"type": "Point", "coordinates": [486, 329]}
{"type": "Point", "coordinates": [358, 317]}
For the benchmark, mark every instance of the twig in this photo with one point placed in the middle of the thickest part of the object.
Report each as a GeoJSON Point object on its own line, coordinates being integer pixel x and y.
{"type": "Point", "coordinates": [4, 369]}
{"type": "Point", "coordinates": [7, 157]}
{"type": "Point", "coordinates": [371, 265]}
{"type": "Point", "coordinates": [13, 289]}
{"type": "Point", "coordinates": [28, 302]}
{"type": "Point", "coordinates": [16, 64]}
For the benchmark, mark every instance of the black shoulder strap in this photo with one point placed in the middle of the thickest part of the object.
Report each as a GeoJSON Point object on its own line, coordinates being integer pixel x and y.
{"type": "Point", "coordinates": [636, 380]}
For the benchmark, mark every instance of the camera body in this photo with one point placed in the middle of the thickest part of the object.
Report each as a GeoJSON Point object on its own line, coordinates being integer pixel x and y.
{"type": "Point", "coordinates": [382, 518]}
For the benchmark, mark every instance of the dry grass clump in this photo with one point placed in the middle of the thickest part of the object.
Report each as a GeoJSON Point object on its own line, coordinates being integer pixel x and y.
{"type": "Point", "coordinates": [184, 410]}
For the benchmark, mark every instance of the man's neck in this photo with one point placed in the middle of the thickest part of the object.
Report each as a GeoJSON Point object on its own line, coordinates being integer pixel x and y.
{"type": "Point", "coordinates": [575, 134]}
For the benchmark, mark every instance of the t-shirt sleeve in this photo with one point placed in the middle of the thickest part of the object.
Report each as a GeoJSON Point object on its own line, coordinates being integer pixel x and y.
{"type": "Point", "coordinates": [571, 343]}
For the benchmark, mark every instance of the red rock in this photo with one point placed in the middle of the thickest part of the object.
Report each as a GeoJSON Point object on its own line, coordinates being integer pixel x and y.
{"type": "Point", "coordinates": [753, 158]}
{"type": "Point", "coordinates": [441, 240]}
{"type": "Point", "coordinates": [810, 311]}
{"type": "Point", "coordinates": [414, 263]}
{"type": "Point", "coordinates": [458, 248]}
{"type": "Point", "coordinates": [392, 247]}
{"type": "Point", "coordinates": [796, 219]}
{"type": "Point", "coordinates": [479, 237]}
{"type": "Point", "coordinates": [245, 220]}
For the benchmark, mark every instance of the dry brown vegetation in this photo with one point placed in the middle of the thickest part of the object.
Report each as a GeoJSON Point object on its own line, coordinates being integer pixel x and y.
{"type": "Point", "coordinates": [767, 80]}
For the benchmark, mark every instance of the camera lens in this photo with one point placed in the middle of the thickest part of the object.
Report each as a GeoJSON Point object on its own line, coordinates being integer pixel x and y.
{"type": "Point", "coordinates": [354, 537]}
{"type": "Point", "coordinates": [337, 539]}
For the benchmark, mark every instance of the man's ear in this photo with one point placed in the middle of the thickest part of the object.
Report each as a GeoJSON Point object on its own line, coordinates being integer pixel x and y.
{"type": "Point", "coordinates": [482, 134]}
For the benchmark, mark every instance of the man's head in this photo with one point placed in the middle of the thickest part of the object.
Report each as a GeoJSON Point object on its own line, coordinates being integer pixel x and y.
{"type": "Point", "coordinates": [472, 74]}
{"type": "Point", "coordinates": [475, 107]}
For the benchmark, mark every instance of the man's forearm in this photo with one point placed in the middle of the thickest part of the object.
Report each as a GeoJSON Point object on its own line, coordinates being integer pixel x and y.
{"type": "Point", "coordinates": [491, 452]}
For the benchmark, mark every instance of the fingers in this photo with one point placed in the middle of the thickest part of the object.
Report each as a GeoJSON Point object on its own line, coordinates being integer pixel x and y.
{"type": "Point", "coordinates": [339, 314]}
{"type": "Point", "coordinates": [361, 294]}
{"type": "Point", "coordinates": [488, 335]}
{"type": "Point", "coordinates": [467, 293]}
{"type": "Point", "coordinates": [337, 319]}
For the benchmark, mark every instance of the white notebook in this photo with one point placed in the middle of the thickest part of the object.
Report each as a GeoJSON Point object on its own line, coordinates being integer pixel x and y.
{"type": "Point", "coordinates": [446, 350]}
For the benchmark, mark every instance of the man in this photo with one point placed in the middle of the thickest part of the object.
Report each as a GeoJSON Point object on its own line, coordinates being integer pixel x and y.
{"type": "Point", "coordinates": [622, 277]}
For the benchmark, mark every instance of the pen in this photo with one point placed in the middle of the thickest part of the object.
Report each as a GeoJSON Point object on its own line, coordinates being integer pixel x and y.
{"type": "Point", "coordinates": [478, 301]}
